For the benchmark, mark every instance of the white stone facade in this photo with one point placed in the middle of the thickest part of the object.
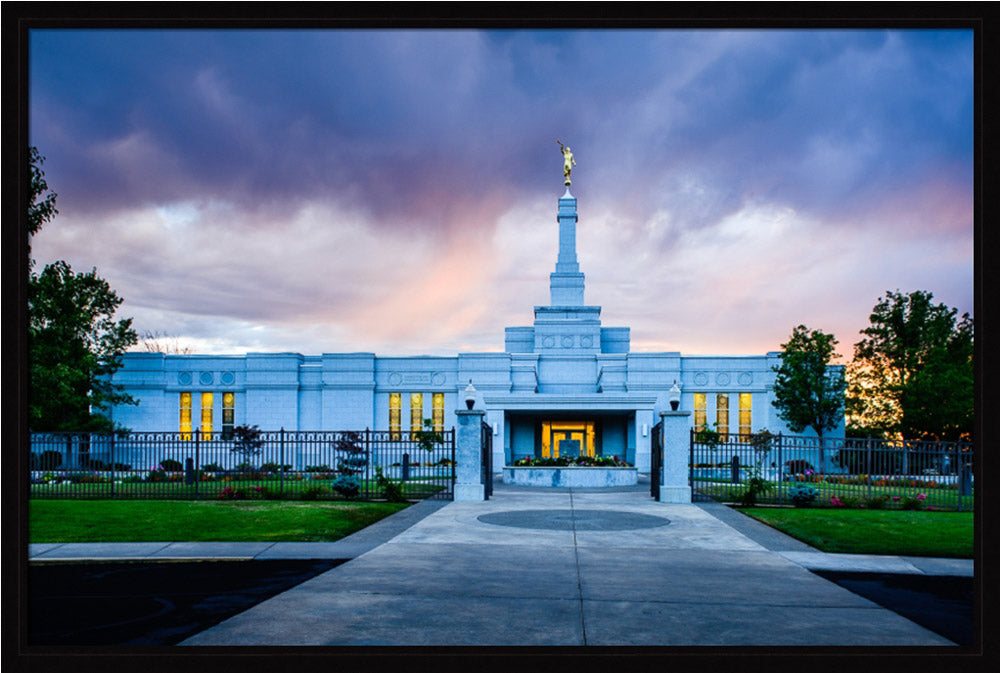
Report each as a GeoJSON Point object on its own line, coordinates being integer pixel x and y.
{"type": "Point", "coordinates": [565, 370]}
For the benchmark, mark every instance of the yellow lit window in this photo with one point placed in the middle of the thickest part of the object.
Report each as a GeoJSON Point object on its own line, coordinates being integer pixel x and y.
{"type": "Point", "coordinates": [438, 412]}
{"type": "Point", "coordinates": [206, 415]}
{"type": "Point", "coordinates": [185, 416]}
{"type": "Point", "coordinates": [722, 413]}
{"type": "Point", "coordinates": [745, 415]}
{"type": "Point", "coordinates": [700, 411]}
{"type": "Point", "coordinates": [395, 403]}
{"type": "Point", "coordinates": [228, 414]}
{"type": "Point", "coordinates": [416, 412]}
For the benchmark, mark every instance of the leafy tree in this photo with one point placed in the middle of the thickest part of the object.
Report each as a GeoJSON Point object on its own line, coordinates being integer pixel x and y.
{"type": "Point", "coordinates": [247, 443]}
{"type": "Point", "coordinates": [42, 206]}
{"type": "Point", "coordinates": [162, 342]}
{"type": "Point", "coordinates": [75, 345]}
{"type": "Point", "coordinates": [913, 372]}
{"type": "Point", "coordinates": [74, 342]}
{"type": "Point", "coordinates": [808, 392]}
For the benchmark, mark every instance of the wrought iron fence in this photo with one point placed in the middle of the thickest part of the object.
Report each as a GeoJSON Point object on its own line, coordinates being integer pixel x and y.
{"type": "Point", "coordinates": [844, 472]}
{"type": "Point", "coordinates": [273, 465]}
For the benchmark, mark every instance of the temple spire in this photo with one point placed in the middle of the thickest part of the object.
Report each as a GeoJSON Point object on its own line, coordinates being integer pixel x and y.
{"type": "Point", "coordinates": [566, 283]}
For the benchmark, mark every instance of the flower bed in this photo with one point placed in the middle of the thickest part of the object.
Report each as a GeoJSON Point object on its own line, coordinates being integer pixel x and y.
{"type": "Point", "coordinates": [570, 476]}
{"type": "Point", "coordinates": [563, 461]}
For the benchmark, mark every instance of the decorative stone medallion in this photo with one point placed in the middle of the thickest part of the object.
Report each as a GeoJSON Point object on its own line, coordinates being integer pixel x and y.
{"type": "Point", "coordinates": [746, 378]}
{"type": "Point", "coordinates": [586, 341]}
{"type": "Point", "coordinates": [549, 341]}
{"type": "Point", "coordinates": [184, 378]}
{"type": "Point", "coordinates": [228, 378]}
{"type": "Point", "coordinates": [438, 379]}
{"type": "Point", "coordinates": [722, 379]}
{"type": "Point", "coordinates": [206, 378]}
{"type": "Point", "coordinates": [567, 341]}
{"type": "Point", "coordinates": [395, 379]}
{"type": "Point", "coordinates": [701, 378]}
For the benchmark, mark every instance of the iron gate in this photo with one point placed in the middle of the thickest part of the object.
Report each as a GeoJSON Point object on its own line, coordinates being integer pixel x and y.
{"type": "Point", "coordinates": [656, 461]}
{"type": "Point", "coordinates": [487, 460]}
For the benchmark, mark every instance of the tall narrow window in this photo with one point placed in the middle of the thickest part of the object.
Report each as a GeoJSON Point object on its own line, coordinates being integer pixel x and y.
{"type": "Point", "coordinates": [206, 415]}
{"type": "Point", "coordinates": [700, 411]}
{"type": "Point", "coordinates": [416, 412]}
{"type": "Point", "coordinates": [395, 404]}
{"type": "Point", "coordinates": [438, 412]}
{"type": "Point", "coordinates": [722, 413]}
{"type": "Point", "coordinates": [185, 427]}
{"type": "Point", "coordinates": [745, 415]}
{"type": "Point", "coordinates": [228, 414]}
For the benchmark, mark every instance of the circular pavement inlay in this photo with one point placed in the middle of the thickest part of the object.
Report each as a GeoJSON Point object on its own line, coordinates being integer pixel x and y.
{"type": "Point", "coordinates": [567, 519]}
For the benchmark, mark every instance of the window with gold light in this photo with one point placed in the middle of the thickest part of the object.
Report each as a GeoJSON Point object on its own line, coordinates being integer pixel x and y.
{"type": "Point", "coordinates": [745, 415]}
{"type": "Point", "coordinates": [700, 411]}
{"type": "Point", "coordinates": [206, 415]}
{"type": "Point", "coordinates": [416, 413]}
{"type": "Point", "coordinates": [722, 413]}
{"type": "Point", "coordinates": [185, 416]}
{"type": "Point", "coordinates": [395, 420]}
{"type": "Point", "coordinates": [228, 414]}
{"type": "Point", "coordinates": [438, 405]}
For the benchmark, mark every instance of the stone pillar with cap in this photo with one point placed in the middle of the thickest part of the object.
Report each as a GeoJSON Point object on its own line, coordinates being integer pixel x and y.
{"type": "Point", "coordinates": [676, 429]}
{"type": "Point", "coordinates": [469, 450]}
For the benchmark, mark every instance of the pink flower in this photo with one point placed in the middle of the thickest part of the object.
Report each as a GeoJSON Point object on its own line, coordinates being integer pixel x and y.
{"type": "Point", "coordinates": [921, 496]}
{"type": "Point", "coordinates": [895, 498]}
{"type": "Point", "coordinates": [930, 509]}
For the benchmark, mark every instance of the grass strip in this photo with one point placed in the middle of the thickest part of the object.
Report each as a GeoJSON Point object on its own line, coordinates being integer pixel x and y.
{"type": "Point", "coordinates": [881, 532]}
{"type": "Point", "coordinates": [175, 521]}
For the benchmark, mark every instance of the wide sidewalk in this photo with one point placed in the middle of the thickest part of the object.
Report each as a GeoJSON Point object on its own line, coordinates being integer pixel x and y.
{"type": "Point", "coordinates": [557, 567]}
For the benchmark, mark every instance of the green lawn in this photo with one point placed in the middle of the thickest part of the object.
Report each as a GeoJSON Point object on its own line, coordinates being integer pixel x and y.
{"type": "Point", "coordinates": [888, 532]}
{"type": "Point", "coordinates": [171, 521]}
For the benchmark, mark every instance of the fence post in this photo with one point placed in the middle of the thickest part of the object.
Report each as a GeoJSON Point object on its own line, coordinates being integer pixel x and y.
{"type": "Point", "coordinates": [675, 444]}
{"type": "Point", "coordinates": [197, 452]}
{"type": "Point", "coordinates": [469, 456]}
{"type": "Point", "coordinates": [112, 464]}
{"type": "Point", "coordinates": [281, 462]}
{"type": "Point", "coordinates": [868, 465]}
{"type": "Point", "coordinates": [366, 483]}
{"type": "Point", "coordinates": [781, 469]}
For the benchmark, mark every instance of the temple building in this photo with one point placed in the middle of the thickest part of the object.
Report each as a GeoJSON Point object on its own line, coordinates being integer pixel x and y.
{"type": "Point", "coordinates": [564, 385]}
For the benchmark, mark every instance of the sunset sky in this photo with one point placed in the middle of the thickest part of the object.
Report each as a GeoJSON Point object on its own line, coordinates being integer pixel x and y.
{"type": "Point", "coordinates": [395, 191]}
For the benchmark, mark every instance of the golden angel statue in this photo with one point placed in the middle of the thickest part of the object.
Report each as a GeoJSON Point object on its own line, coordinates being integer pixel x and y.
{"type": "Point", "coordinates": [568, 161]}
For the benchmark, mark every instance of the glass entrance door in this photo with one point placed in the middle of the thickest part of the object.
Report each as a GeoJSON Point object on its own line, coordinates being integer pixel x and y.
{"type": "Point", "coordinates": [569, 439]}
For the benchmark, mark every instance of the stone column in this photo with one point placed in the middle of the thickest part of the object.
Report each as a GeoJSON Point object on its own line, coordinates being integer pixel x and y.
{"type": "Point", "coordinates": [676, 450]}
{"type": "Point", "coordinates": [469, 455]}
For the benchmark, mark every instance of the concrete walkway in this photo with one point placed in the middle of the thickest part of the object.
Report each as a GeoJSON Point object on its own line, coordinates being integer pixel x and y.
{"type": "Point", "coordinates": [571, 567]}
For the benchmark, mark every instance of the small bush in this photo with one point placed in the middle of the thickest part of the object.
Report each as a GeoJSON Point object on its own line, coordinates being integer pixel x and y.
{"type": "Point", "coordinates": [213, 467]}
{"type": "Point", "coordinates": [876, 502]}
{"type": "Point", "coordinates": [171, 465]}
{"type": "Point", "coordinates": [798, 466]}
{"type": "Point", "coordinates": [391, 490]}
{"type": "Point", "coordinates": [802, 495]}
{"type": "Point", "coordinates": [348, 487]}
{"type": "Point", "coordinates": [274, 467]}
{"type": "Point", "coordinates": [916, 503]}
{"type": "Point", "coordinates": [318, 468]}
{"type": "Point", "coordinates": [313, 493]}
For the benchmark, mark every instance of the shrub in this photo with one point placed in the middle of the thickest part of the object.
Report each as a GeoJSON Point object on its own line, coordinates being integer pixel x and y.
{"type": "Point", "coordinates": [916, 503]}
{"type": "Point", "coordinates": [802, 495]}
{"type": "Point", "coordinates": [274, 467]}
{"type": "Point", "coordinates": [756, 486]}
{"type": "Point", "coordinates": [213, 467]}
{"type": "Point", "coordinates": [171, 465]}
{"type": "Point", "coordinates": [348, 487]}
{"type": "Point", "coordinates": [798, 466]}
{"type": "Point", "coordinates": [318, 468]}
{"type": "Point", "coordinates": [876, 502]}
{"type": "Point", "coordinates": [313, 493]}
{"type": "Point", "coordinates": [391, 490]}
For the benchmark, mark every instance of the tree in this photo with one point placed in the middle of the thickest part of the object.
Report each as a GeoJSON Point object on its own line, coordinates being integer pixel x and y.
{"type": "Point", "coordinates": [912, 374]}
{"type": "Point", "coordinates": [808, 392]}
{"type": "Point", "coordinates": [74, 343]}
{"type": "Point", "coordinates": [162, 342]}
{"type": "Point", "coordinates": [42, 207]}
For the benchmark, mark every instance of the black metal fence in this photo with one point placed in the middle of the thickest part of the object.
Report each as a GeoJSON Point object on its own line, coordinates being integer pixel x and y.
{"type": "Point", "coordinates": [844, 472]}
{"type": "Point", "coordinates": [273, 465]}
